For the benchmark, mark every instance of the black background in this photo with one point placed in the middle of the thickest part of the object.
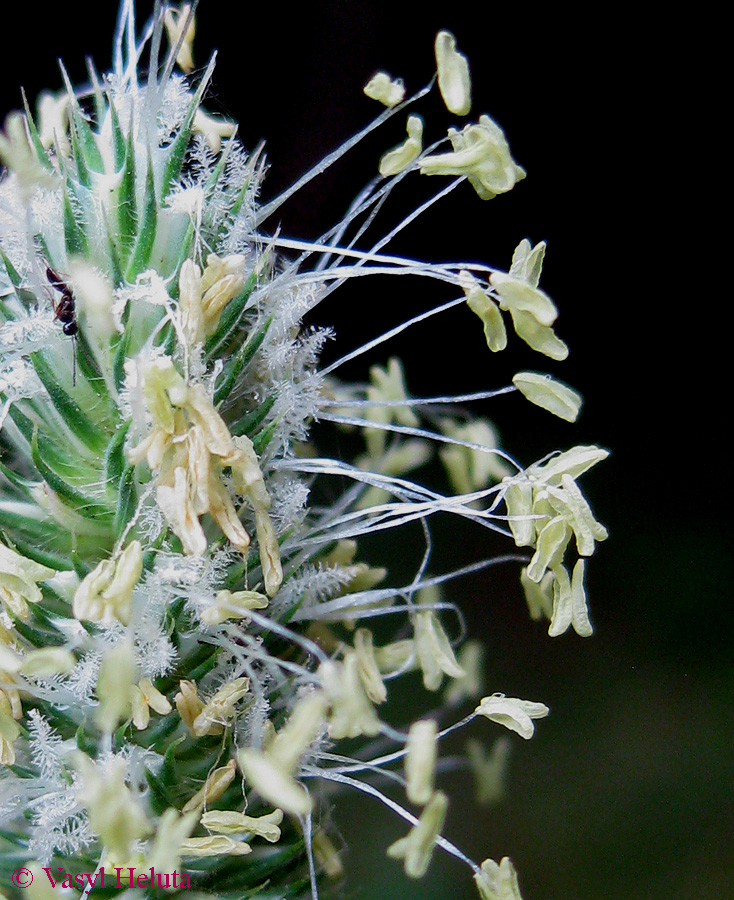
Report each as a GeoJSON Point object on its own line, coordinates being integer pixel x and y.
{"type": "Point", "coordinates": [625, 791]}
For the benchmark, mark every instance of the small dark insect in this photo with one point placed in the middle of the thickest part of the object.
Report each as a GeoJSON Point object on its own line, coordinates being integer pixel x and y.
{"type": "Point", "coordinates": [65, 311]}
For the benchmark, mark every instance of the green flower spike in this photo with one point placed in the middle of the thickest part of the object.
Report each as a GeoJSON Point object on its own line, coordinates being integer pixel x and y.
{"type": "Point", "coordinates": [190, 667]}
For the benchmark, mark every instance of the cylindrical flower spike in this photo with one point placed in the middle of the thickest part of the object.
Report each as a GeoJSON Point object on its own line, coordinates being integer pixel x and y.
{"type": "Point", "coordinates": [186, 619]}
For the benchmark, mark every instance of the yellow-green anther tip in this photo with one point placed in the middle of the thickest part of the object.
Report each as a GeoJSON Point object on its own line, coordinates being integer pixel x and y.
{"type": "Point", "coordinates": [546, 392]}
{"type": "Point", "coordinates": [454, 80]}
{"type": "Point", "coordinates": [386, 90]}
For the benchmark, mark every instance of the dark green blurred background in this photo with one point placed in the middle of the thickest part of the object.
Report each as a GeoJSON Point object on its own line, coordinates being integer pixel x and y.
{"type": "Point", "coordinates": [625, 791]}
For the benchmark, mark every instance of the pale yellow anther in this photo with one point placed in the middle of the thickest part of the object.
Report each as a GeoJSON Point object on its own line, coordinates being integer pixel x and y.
{"type": "Point", "coordinates": [398, 459]}
{"type": "Point", "coordinates": [550, 547]}
{"type": "Point", "coordinates": [203, 413]}
{"type": "Point", "coordinates": [114, 814]}
{"type": "Point", "coordinates": [342, 554]}
{"type": "Point", "coordinates": [188, 703]}
{"type": "Point", "coordinates": [519, 296]}
{"type": "Point", "coordinates": [220, 268]}
{"type": "Point", "coordinates": [435, 654]}
{"type": "Point", "coordinates": [109, 862]}
{"type": "Point", "coordinates": [248, 481]}
{"type": "Point", "coordinates": [497, 882]}
{"type": "Point", "coordinates": [222, 280]}
{"type": "Point", "coordinates": [550, 394]}
{"type": "Point", "coordinates": [203, 296]}
{"type": "Point", "coordinates": [540, 338]}
{"type": "Point", "coordinates": [223, 512]}
{"type": "Point", "coordinates": [569, 602]}
{"type": "Point", "coordinates": [568, 501]}
{"type": "Point", "coordinates": [177, 505]}
{"type": "Point", "coordinates": [369, 671]}
{"type": "Point", "coordinates": [233, 605]}
{"type": "Point", "coordinates": [118, 675]}
{"type": "Point", "coordinates": [386, 90]}
{"type": "Point", "coordinates": [399, 158]}
{"type": "Point", "coordinates": [10, 660]}
{"type": "Point", "coordinates": [471, 684]}
{"type": "Point", "coordinates": [272, 783]}
{"type": "Point", "coordinates": [214, 845]}
{"type": "Point", "coordinates": [480, 303]}
{"type": "Point", "coordinates": [189, 301]}
{"type": "Point", "coordinates": [573, 462]}
{"type": "Point", "coordinates": [516, 715]}
{"type": "Point", "coordinates": [163, 390]}
{"type": "Point", "coordinates": [128, 569]}
{"type": "Point", "coordinates": [420, 762]}
{"type": "Point", "coordinates": [7, 638]}
{"type": "Point", "coordinates": [215, 785]}
{"type": "Point", "coordinates": [269, 552]}
{"type": "Point", "coordinates": [527, 262]}
{"type": "Point", "coordinates": [404, 457]}
{"type": "Point", "coordinates": [47, 661]}
{"type": "Point", "coordinates": [364, 578]}
{"type": "Point", "coordinates": [532, 311]}
{"type": "Point", "coordinates": [247, 474]}
{"type": "Point", "coordinates": [469, 469]}
{"type": "Point", "coordinates": [326, 855]}
{"type": "Point", "coordinates": [212, 129]}
{"type": "Point", "coordinates": [190, 444]}
{"type": "Point", "coordinates": [388, 386]}
{"type": "Point", "coordinates": [304, 725]}
{"type": "Point", "coordinates": [53, 121]}
{"type": "Point", "coordinates": [482, 154]}
{"type": "Point", "coordinates": [220, 710]}
{"type": "Point", "coordinates": [489, 769]}
{"type": "Point", "coordinates": [519, 502]}
{"type": "Point", "coordinates": [19, 579]}
{"type": "Point", "coordinates": [175, 22]}
{"type": "Point", "coordinates": [352, 712]}
{"type": "Point", "coordinates": [545, 508]}
{"type": "Point", "coordinates": [199, 469]}
{"type": "Point", "coordinates": [106, 594]}
{"type": "Point", "coordinates": [396, 656]}
{"type": "Point", "coordinates": [153, 448]}
{"type": "Point", "coordinates": [139, 709]}
{"type": "Point", "coordinates": [9, 731]}
{"type": "Point", "coordinates": [416, 848]}
{"type": "Point", "coordinates": [229, 822]}
{"type": "Point", "coordinates": [145, 696]}
{"type": "Point", "coordinates": [267, 733]}
{"type": "Point", "coordinates": [12, 695]}
{"type": "Point", "coordinates": [538, 595]}
{"type": "Point", "coordinates": [454, 80]}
